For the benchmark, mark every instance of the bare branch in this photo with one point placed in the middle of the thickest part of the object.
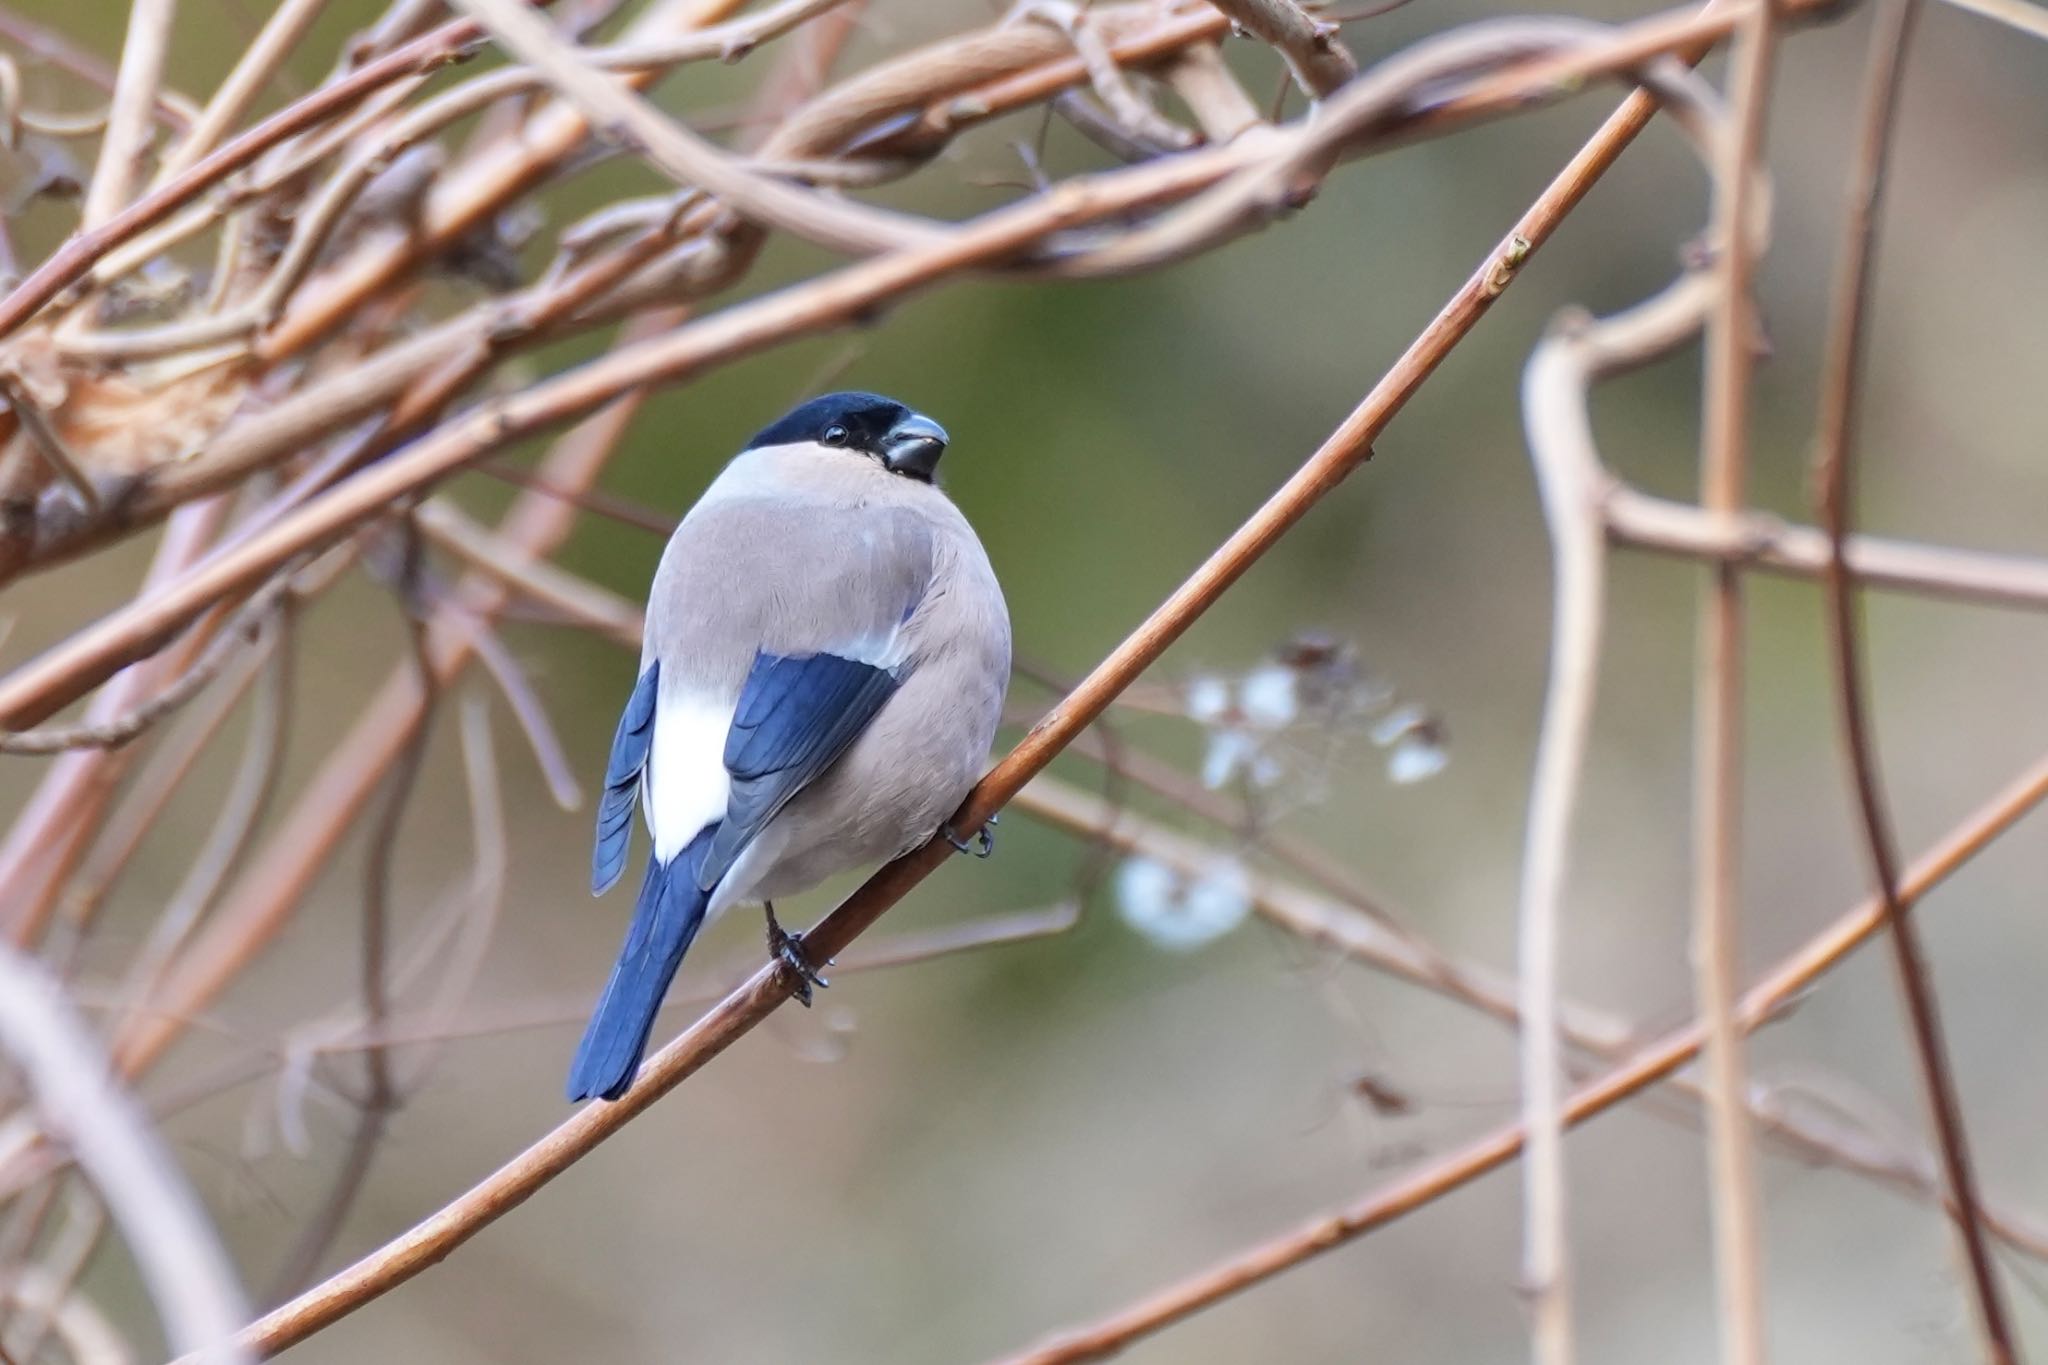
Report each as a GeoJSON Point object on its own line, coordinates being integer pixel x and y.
{"type": "Point", "coordinates": [1732, 334]}
{"type": "Point", "coordinates": [1834, 450]}
{"type": "Point", "coordinates": [234, 636]}
{"type": "Point", "coordinates": [128, 122]}
{"type": "Point", "coordinates": [1312, 48]}
{"type": "Point", "coordinates": [2027, 17]}
{"type": "Point", "coordinates": [1765, 542]}
{"type": "Point", "coordinates": [281, 32]}
{"type": "Point", "coordinates": [189, 1275]}
{"type": "Point", "coordinates": [71, 261]}
{"type": "Point", "coordinates": [1653, 1063]}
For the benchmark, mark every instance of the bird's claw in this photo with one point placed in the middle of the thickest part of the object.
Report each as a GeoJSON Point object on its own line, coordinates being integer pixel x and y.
{"type": "Point", "coordinates": [788, 949]}
{"type": "Point", "coordinates": [984, 839]}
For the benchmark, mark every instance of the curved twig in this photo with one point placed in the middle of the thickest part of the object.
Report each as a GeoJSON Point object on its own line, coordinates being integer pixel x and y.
{"type": "Point", "coordinates": [189, 1275]}
{"type": "Point", "coordinates": [1834, 450]}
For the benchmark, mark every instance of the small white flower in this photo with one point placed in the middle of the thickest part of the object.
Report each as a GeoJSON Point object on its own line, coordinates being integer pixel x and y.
{"type": "Point", "coordinates": [1145, 887]}
{"type": "Point", "coordinates": [1268, 696]}
{"type": "Point", "coordinates": [1414, 741]}
{"type": "Point", "coordinates": [1154, 902]}
{"type": "Point", "coordinates": [1398, 723]}
{"type": "Point", "coordinates": [1228, 750]}
{"type": "Point", "coordinates": [1220, 901]}
{"type": "Point", "coordinates": [1415, 757]}
{"type": "Point", "coordinates": [1208, 699]}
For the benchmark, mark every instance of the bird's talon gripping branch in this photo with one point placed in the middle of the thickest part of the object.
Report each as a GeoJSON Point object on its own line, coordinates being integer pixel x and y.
{"type": "Point", "coordinates": [984, 839]}
{"type": "Point", "coordinates": [788, 949]}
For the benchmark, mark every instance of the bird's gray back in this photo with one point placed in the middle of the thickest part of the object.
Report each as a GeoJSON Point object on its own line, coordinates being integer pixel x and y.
{"type": "Point", "coordinates": [783, 575]}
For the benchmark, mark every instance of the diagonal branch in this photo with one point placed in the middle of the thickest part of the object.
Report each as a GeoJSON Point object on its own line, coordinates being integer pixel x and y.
{"type": "Point", "coordinates": [620, 113]}
{"type": "Point", "coordinates": [1656, 1062]}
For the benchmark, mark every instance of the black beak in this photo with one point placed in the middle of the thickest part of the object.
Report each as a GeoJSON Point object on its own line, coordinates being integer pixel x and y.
{"type": "Point", "coordinates": [914, 447]}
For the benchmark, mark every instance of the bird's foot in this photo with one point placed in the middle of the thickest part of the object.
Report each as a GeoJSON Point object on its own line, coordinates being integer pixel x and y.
{"type": "Point", "coordinates": [788, 949]}
{"type": "Point", "coordinates": [984, 839]}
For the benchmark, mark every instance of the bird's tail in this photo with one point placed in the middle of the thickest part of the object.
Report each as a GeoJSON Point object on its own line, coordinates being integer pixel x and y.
{"type": "Point", "coordinates": [669, 913]}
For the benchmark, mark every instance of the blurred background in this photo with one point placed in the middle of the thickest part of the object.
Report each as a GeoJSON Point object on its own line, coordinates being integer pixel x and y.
{"type": "Point", "coordinates": [946, 1160]}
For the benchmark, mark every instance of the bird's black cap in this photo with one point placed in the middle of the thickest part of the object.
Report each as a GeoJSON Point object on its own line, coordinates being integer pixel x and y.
{"type": "Point", "coordinates": [904, 440]}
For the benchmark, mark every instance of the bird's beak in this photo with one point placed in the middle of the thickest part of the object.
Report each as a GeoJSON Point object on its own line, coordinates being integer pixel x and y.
{"type": "Point", "coordinates": [914, 447]}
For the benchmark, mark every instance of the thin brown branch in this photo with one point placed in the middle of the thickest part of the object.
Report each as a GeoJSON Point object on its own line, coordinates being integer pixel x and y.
{"type": "Point", "coordinates": [1311, 47]}
{"type": "Point", "coordinates": [248, 797]}
{"type": "Point", "coordinates": [1127, 109]}
{"type": "Point", "coordinates": [1655, 1062]}
{"type": "Point", "coordinates": [36, 425]}
{"type": "Point", "coordinates": [482, 901]}
{"type": "Point", "coordinates": [189, 1276]}
{"type": "Point", "coordinates": [64, 1262]}
{"type": "Point", "coordinates": [1835, 449]}
{"type": "Point", "coordinates": [1211, 92]}
{"type": "Point", "coordinates": [536, 579]}
{"type": "Point", "coordinates": [1768, 543]}
{"type": "Point", "coordinates": [235, 635]}
{"type": "Point", "coordinates": [47, 44]}
{"type": "Point", "coordinates": [1555, 397]}
{"type": "Point", "coordinates": [1360, 934]}
{"type": "Point", "coordinates": [595, 501]}
{"type": "Point", "coordinates": [121, 834]}
{"type": "Point", "coordinates": [70, 262]}
{"type": "Point", "coordinates": [78, 1324]}
{"type": "Point", "coordinates": [130, 119]}
{"type": "Point", "coordinates": [1731, 340]}
{"type": "Point", "coordinates": [380, 1096]}
{"type": "Point", "coordinates": [612, 106]}
{"type": "Point", "coordinates": [49, 834]}
{"type": "Point", "coordinates": [258, 64]}
{"type": "Point", "coordinates": [1554, 404]}
{"type": "Point", "coordinates": [526, 708]}
{"type": "Point", "coordinates": [468, 196]}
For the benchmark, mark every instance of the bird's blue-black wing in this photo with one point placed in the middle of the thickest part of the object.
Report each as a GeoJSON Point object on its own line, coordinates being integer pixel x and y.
{"type": "Point", "coordinates": [622, 782]}
{"type": "Point", "coordinates": [795, 717]}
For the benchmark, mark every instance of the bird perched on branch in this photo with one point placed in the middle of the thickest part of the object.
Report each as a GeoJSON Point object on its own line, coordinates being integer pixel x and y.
{"type": "Point", "coordinates": [824, 663]}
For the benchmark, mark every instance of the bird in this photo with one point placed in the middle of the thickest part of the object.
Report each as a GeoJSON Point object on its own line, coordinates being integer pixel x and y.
{"type": "Point", "coordinates": [823, 666]}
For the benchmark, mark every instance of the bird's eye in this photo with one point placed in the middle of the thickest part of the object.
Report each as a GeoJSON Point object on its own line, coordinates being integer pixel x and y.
{"type": "Point", "coordinates": [836, 435]}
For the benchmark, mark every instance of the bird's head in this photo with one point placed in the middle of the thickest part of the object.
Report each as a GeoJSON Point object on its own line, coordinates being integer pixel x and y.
{"type": "Point", "coordinates": [864, 426]}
